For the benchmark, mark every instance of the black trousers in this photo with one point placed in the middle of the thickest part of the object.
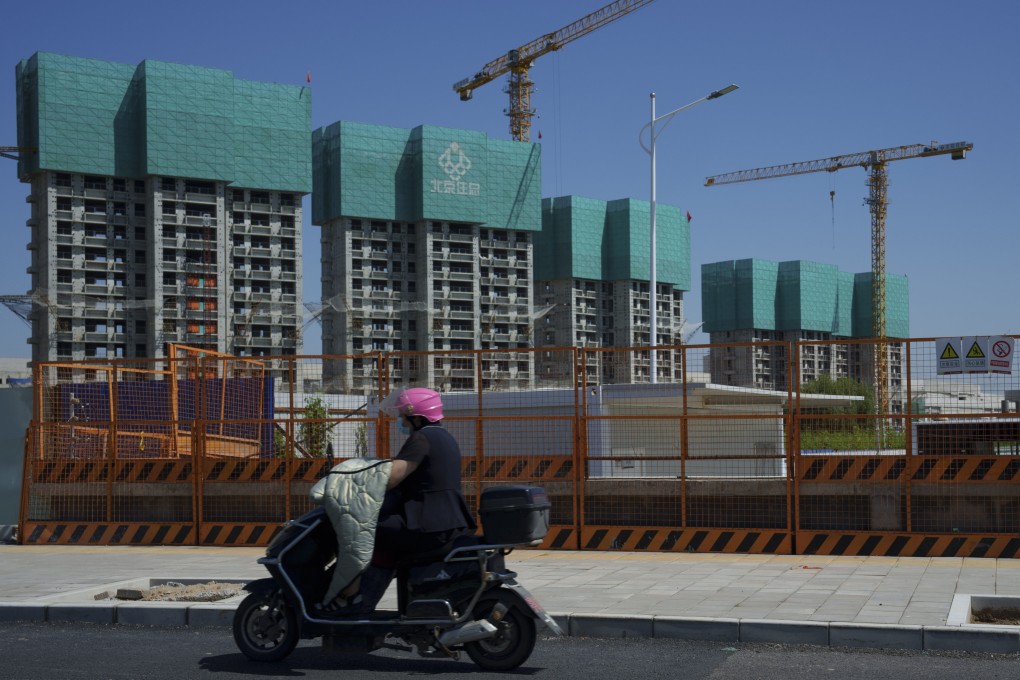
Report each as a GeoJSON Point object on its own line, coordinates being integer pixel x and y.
{"type": "Point", "coordinates": [394, 542]}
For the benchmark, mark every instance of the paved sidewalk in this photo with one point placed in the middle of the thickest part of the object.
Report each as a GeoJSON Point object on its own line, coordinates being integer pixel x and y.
{"type": "Point", "coordinates": [905, 602]}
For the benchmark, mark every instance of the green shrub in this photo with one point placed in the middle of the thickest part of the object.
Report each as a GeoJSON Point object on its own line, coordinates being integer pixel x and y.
{"type": "Point", "coordinates": [314, 430]}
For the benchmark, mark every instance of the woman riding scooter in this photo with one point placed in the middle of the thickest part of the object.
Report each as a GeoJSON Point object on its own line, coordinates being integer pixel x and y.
{"type": "Point", "coordinates": [424, 509]}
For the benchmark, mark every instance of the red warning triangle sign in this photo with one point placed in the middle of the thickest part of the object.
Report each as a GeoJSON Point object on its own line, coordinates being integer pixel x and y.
{"type": "Point", "coordinates": [949, 352]}
{"type": "Point", "coordinates": [975, 352]}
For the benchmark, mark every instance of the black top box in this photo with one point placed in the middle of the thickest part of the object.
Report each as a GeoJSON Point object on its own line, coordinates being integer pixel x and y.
{"type": "Point", "coordinates": [514, 514]}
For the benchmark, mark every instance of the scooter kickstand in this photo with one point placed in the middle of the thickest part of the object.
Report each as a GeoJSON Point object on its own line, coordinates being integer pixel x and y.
{"type": "Point", "coordinates": [437, 651]}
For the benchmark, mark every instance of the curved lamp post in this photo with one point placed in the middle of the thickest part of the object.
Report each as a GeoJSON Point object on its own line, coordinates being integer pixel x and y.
{"type": "Point", "coordinates": [650, 150]}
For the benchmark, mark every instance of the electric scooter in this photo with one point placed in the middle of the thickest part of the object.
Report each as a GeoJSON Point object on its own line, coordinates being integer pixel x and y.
{"type": "Point", "coordinates": [459, 599]}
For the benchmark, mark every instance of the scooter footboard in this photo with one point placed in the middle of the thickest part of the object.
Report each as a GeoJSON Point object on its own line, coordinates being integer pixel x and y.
{"type": "Point", "coordinates": [262, 585]}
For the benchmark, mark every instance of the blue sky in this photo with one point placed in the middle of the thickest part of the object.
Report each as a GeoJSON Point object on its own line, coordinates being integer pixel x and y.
{"type": "Point", "coordinates": [817, 79]}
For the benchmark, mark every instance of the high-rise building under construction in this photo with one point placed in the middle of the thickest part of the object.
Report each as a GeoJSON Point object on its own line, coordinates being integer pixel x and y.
{"type": "Point", "coordinates": [426, 246]}
{"type": "Point", "coordinates": [592, 279]}
{"type": "Point", "coordinates": [762, 302]}
{"type": "Point", "coordinates": [165, 207]}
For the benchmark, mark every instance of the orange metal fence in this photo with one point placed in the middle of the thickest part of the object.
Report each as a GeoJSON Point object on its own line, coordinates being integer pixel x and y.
{"type": "Point", "coordinates": [772, 447]}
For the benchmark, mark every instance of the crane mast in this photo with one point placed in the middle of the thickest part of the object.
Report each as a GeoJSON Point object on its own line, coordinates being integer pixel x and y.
{"type": "Point", "coordinates": [875, 162]}
{"type": "Point", "coordinates": [518, 61]}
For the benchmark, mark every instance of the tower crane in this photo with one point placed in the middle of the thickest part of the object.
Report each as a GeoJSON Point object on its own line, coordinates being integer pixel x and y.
{"type": "Point", "coordinates": [518, 61]}
{"type": "Point", "coordinates": [874, 162]}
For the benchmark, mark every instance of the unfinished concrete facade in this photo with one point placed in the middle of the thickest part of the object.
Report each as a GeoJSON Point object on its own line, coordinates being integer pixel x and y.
{"type": "Point", "coordinates": [160, 211]}
{"type": "Point", "coordinates": [221, 272]}
{"type": "Point", "coordinates": [761, 302]}
{"type": "Point", "coordinates": [426, 246]}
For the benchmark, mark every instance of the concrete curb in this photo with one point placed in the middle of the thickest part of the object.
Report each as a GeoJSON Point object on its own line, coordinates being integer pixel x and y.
{"type": "Point", "coordinates": [81, 612]}
{"type": "Point", "coordinates": [607, 625]}
{"type": "Point", "coordinates": [876, 635]}
{"type": "Point", "coordinates": [150, 614]}
{"type": "Point", "coordinates": [786, 632]}
{"type": "Point", "coordinates": [989, 639]}
{"type": "Point", "coordinates": [996, 640]}
{"type": "Point", "coordinates": [21, 611]}
{"type": "Point", "coordinates": [697, 628]}
{"type": "Point", "coordinates": [211, 615]}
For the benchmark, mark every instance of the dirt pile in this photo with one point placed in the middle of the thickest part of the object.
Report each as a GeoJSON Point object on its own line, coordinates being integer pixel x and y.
{"type": "Point", "coordinates": [209, 591]}
{"type": "Point", "coordinates": [1002, 616]}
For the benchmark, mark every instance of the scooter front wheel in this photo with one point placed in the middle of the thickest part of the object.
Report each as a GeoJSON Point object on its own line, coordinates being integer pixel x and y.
{"type": "Point", "coordinates": [511, 646]}
{"type": "Point", "coordinates": [265, 628]}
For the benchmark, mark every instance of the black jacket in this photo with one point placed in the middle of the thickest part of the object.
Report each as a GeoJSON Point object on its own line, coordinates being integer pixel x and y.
{"type": "Point", "coordinates": [431, 495]}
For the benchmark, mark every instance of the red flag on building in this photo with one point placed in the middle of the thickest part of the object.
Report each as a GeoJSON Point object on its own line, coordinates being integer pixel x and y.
{"type": "Point", "coordinates": [308, 78]}
{"type": "Point", "coordinates": [688, 216]}
{"type": "Point", "coordinates": [540, 134]}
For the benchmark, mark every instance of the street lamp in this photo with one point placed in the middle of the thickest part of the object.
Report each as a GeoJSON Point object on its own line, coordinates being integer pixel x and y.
{"type": "Point", "coordinates": [650, 150]}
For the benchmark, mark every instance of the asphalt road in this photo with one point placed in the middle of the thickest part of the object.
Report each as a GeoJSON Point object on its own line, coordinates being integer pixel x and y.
{"type": "Point", "coordinates": [84, 651]}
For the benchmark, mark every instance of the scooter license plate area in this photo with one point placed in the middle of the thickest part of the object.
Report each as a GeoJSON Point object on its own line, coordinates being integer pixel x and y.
{"type": "Point", "coordinates": [535, 606]}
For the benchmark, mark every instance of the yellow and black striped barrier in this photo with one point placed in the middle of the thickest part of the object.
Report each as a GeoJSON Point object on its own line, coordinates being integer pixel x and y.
{"type": "Point", "coordinates": [891, 544]}
{"type": "Point", "coordinates": [944, 469]}
{"type": "Point", "coordinates": [514, 468]}
{"type": "Point", "coordinates": [663, 539]}
{"type": "Point", "coordinates": [238, 533]}
{"type": "Point", "coordinates": [109, 533]}
{"type": "Point", "coordinates": [88, 471]}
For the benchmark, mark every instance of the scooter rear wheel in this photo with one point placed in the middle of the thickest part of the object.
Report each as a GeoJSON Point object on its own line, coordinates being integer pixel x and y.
{"type": "Point", "coordinates": [265, 628]}
{"type": "Point", "coordinates": [511, 646]}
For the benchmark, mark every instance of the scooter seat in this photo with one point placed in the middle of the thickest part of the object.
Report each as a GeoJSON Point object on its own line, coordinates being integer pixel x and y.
{"type": "Point", "coordinates": [438, 554]}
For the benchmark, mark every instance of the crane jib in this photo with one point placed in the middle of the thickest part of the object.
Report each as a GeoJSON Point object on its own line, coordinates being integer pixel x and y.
{"type": "Point", "coordinates": [551, 42]}
{"type": "Point", "coordinates": [863, 159]}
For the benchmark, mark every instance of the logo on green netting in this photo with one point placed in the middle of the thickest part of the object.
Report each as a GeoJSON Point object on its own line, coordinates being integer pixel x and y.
{"type": "Point", "coordinates": [455, 163]}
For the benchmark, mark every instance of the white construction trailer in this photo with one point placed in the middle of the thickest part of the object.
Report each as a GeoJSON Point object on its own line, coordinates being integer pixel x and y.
{"type": "Point", "coordinates": [632, 431]}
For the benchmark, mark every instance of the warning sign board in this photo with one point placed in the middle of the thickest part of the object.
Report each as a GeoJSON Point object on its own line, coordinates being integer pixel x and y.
{"type": "Point", "coordinates": [975, 354]}
{"type": "Point", "coordinates": [948, 352]}
{"type": "Point", "coordinates": [1000, 359]}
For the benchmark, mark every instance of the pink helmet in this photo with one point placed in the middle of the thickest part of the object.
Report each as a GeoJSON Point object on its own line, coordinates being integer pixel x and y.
{"type": "Point", "coordinates": [414, 401]}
